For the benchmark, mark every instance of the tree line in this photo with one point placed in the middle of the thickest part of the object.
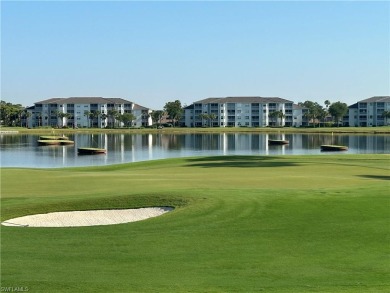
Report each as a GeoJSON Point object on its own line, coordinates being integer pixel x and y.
{"type": "Point", "coordinates": [15, 114]}
{"type": "Point", "coordinates": [12, 114]}
{"type": "Point", "coordinates": [315, 113]}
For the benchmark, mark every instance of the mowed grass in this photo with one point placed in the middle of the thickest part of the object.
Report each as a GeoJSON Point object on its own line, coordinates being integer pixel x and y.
{"type": "Point", "coordinates": [241, 224]}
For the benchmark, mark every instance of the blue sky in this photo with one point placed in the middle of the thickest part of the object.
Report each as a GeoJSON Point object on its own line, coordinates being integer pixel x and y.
{"type": "Point", "coordinates": [155, 52]}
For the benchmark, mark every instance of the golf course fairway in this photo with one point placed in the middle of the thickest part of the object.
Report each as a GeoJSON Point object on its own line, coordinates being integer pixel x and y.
{"type": "Point", "coordinates": [239, 224]}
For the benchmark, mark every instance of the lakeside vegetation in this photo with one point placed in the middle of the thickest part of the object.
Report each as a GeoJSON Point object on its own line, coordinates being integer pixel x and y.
{"type": "Point", "coordinates": [241, 224]}
{"type": "Point", "coordinates": [57, 131]}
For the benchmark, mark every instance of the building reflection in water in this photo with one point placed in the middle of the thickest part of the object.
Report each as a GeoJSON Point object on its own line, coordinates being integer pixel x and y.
{"type": "Point", "coordinates": [23, 150]}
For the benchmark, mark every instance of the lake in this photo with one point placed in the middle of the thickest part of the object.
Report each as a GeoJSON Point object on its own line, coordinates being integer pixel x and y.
{"type": "Point", "coordinates": [23, 150]}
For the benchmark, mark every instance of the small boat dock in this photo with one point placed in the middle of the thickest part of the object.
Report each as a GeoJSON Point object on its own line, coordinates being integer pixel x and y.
{"type": "Point", "coordinates": [333, 148]}
{"type": "Point", "coordinates": [91, 151]}
{"type": "Point", "coordinates": [278, 142]}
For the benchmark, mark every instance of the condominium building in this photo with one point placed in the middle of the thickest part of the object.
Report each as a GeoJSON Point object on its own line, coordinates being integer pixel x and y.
{"type": "Point", "coordinates": [368, 112]}
{"type": "Point", "coordinates": [239, 111]}
{"type": "Point", "coordinates": [86, 112]}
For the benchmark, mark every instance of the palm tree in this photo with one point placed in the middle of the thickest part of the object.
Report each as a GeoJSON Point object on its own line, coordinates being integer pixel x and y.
{"type": "Point", "coordinates": [212, 117]}
{"type": "Point", "coordinates": [95, 115]}
{"type": "Point", "coordinates": [20, 115]}
{"type": "Point", "coordinates": [113, 114]}
{"type": "Point", "coordinates": [204, 116]}
{"type": "Point", "coordinates": [280, 115]}
{"type": "Point", "coordinates": [39, 116]}
{"type": "Point", "coordinates": [273, 115]}
{"type": "Point", "coordinates": [27, 115]}
{"type": "Point", "coordinates": [322, 115]}
{"type": "Point", "coordinates": [104, 116]}
{"type": "Point", "coordinates": [67, 116]}
{"type": "Point", "coordinates": [386, 115]}
{"type": "Point", "coordinates": [57, 113]}
{"type": "Point", "coordinates": [88, 115]}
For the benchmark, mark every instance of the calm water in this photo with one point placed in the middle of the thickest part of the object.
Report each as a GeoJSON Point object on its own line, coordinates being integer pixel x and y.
{"type": "Point", "coordinates": [23, 150]}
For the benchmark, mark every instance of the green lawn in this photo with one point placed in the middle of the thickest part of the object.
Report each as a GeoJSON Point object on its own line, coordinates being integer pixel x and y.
{"type": "Point", "coordinates": [241, 224]}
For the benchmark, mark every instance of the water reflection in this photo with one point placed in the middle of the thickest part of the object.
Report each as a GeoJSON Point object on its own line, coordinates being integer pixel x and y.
{"type": "Point", "coordinates": [23, 151]}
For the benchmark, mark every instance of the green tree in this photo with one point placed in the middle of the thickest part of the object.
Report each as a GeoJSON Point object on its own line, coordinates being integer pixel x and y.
{"type": "Point", "coordinates": [127, 119]}
{"type": "Point", "coordinates": [338, 110]}
{"type": "Point", "coordinates": [386, 116]}
{"type": "Point", "coordinates": [212, 117]}
{"type": "Point", "coordinates": [26, 116]}
{"type": "Point", "coordinates": [39, 117]}
{"type": "Point", "coordinates": [10, 114]}
{"type": "Point", "coordinates": [57, 113]}
{"type": "Point", "coordinates": [112, 115]}
{"type": "Point", "coordinates": [95, 116]}
{"type": "Point", "coordinates": [313, 111]}
{"type": "Point", "coordinates": [104, 116]}
{"type": "Point", "coordinates": [280, 115]}
{"type": "Point", "coordinates": [61, 116]}
{"type": "Point", "coordinates": [322, 113]}
{"type": "Point", "coordinates": [174, 110]}
{"type": "Point", "coordinates": [274, 117]}
{"type": "Point", "coordinates": [204, 116]}
{"type": "Point", "coordinates": [88, 114]}
{"type": "Point", "coordinates": [156, 116]}
{"type": "Point", "coordinates": [67, 116]}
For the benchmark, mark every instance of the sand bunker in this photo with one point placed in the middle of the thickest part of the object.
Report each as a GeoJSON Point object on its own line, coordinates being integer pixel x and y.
{"type": "Point", "coordinates": [87, 218]}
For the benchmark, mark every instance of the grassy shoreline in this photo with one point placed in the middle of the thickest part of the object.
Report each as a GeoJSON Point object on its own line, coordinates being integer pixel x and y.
{"type": "Point", "coordinates": [241, 224]}
{"type": "Point", "coordinates": [179, 130]}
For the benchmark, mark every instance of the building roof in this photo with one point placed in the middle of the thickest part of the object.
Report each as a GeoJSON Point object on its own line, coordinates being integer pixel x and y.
{"type": "Point", "coordinates": [255, 99]}
{"type": "Point", "coordinates": [139, 107]}
{"type": "Point", "coordinates": [50, 101]}
{"type": "Point", "coordinates": [118, 101]}
{"type": "Point", "coordinates": [376, 99]}
{"type": "Point", "coordinates": [85, 100]}
{"type": "Point", "coordinates": [298, 107]}
{"type": "Point", "coordinates": [353, 106]}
